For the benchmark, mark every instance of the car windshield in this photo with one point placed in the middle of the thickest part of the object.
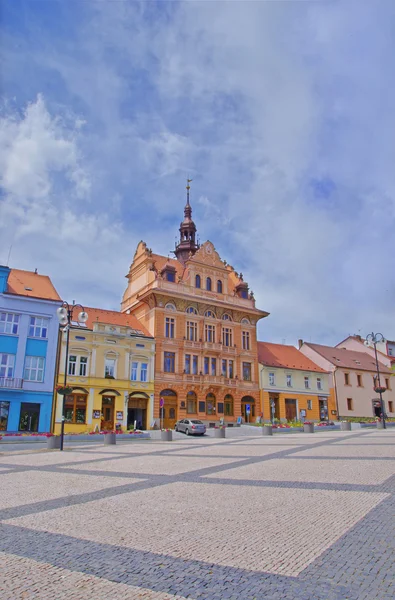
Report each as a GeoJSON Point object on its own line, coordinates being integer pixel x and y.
{"type": "Point", "coordinates": [196, 422]}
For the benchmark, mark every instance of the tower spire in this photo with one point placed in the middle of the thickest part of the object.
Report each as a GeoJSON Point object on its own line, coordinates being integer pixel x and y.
{"type": "Point", "coordinates": [187, 243]}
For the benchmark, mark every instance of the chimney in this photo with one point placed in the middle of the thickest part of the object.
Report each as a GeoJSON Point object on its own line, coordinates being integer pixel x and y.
{"type": "Point", "coordinates": [300, 343]}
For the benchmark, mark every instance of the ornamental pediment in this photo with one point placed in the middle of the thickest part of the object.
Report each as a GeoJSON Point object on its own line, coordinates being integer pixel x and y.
{"type": "Point", "coordinates": [208, 255]}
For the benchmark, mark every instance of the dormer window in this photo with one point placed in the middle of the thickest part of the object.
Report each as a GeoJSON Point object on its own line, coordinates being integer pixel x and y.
{"type": "Point", "coordinates": [242, 290]}
{"type": "Point", "coordinates": [219, 286]}
{"type": "Point", "coordinates": [169, 272]}
{"type": "Point", "coordinates": [192, 310]}
{"type": "Point", "coordinates": [209, 314]}
{"type": "Point", "coordinates": [226, 317]}
{"type": "Point", "coordinates": [198, 282]}
{"type": "Point", "coordinates": [208, 284]}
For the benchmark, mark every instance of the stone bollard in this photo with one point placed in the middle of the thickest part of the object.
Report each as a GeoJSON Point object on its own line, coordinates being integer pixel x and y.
{"type": "Point", "coordinates": [345, 426]}
{"type": "Point", "coordinates": [110, 439]}
{"type": "Point", "coordinates": [219, 433]}
{"type": "Point", "coordinates": [53, 442]}
{"type": "Point", "coordinates": [267, 430]}
{"type": "Point", "coordinates": [166, 436]}
{"type": "Point", "coordinates": [308, 427]}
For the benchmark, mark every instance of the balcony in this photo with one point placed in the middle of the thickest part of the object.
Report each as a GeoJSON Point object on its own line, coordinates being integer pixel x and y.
{"type": "Point", "coordinates": [213, 347]}
{"type": "Point", "coordinates": [190, 344]}
{"type": "Point", "coordinates": [11, 383]}
{"type": "Point", "coordinates": [192, 378]}
{"type": "Point", "coordinates": [229, 350]}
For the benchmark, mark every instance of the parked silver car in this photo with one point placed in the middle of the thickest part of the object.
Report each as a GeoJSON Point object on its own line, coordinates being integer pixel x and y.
{"type": "Point", "coordinates": [191, 427]}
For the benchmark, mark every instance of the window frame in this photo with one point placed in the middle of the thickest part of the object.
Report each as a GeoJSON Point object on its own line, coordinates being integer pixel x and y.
{"type": "Point", "coordinates": [272, 378]}
{"type": "Point", "coordinates": [209, 284]}
{"type": "Point", "coordinates": [198, 282]}
{"type": "Point", "coordinates": [10, 364]}
{"type": "Point", "coordinates": [187, 364]}
{"type": "Point", "coordinates": [319, 383]}
{"type": "Point", "coordinates": [108, 375]}
{"type": "Point", "coordinates": [210, 332]}
{"type": "Point", "coordinates": [350, 403]}
{"type": "Point", "coordinates": [170, 327]}
{"type": "Point", "coordinates": [31, 368]}
{"type": "Point", "coordinates": [75, 397]}
{"type": "Point", "coordinates": [306, 382]}
{"type": "Point", "coordinates": [44, 325]}
{"type": "Point", "coordinates": [227, 337]}
{"type": "Point", "coordinates": [192, 331]}
{"type": "Point", "coordinates": [247, 368]}
{"type": "Point", "coordinates": [14, 322]}
{"type": "Point", "coordinates": [309, 405]}
{"type": "Point", "coordinates": [171, 357]}
{"type": "Point", "coordinates": [289, 380]}
{"type": "Point", "coordinates": [346, 378]}
{"type": "Point", "coordinates": [219, 286]}
{"type": "Point", "coordinates": [246, 340]}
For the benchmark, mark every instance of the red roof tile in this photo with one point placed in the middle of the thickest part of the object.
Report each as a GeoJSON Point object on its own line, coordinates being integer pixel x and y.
{"type": "Point", "coordinates": [30, 284]}
{"type": "Point", "coordinates": [289, 357]}
{"type": "Point", "coordinates": [113, 317]}
{"type": "Point", "coordinates": [348, 359]}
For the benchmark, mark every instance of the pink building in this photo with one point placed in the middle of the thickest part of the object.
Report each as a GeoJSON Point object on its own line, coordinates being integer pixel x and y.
{"type": "Point", "coordinates": [353, 378]}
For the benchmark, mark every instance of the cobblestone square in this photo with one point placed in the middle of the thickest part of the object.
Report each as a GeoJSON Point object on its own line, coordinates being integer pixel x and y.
{"type": "Point", "coordinates": [295, 516]}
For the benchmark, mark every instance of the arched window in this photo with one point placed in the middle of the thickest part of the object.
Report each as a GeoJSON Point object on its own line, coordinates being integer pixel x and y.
{"type": "Point", "coordinates": [192, 310]}
{"type": "Point", "coordinates": [208, 284]}
{"type": "Point", "coordinates": [228, 405]}
{"type": "Point", "coordinates": [210, 314]}
{"type": "Point", "coordinates": [219, 286]}
{"type": "Point", "coordinates": [197, 281]}
{"type": "Point", "coordinates": [226, 317]}
{"type": "Point", "coordinates": [170, 306]}
{"type": "Point", "coordinates": [210, 404]}
{"type": "Point", "coordinates": [245, 321]}
{"type": "Point", "coordinates": [191, 403]}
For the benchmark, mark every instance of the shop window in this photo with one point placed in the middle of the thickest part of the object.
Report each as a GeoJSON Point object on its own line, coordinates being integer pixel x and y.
{"type": "Point", "coordinates": [75, 409]}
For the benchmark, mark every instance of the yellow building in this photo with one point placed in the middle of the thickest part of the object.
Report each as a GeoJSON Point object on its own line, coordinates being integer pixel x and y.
{"type": "Point", "coordinates": [110, 370]}
{"type": "Point", "coordinates": [292, 386]}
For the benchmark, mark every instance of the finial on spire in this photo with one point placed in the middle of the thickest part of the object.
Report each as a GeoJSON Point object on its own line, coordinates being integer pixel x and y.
{"type": "Point", "coordinates": [188, 188]}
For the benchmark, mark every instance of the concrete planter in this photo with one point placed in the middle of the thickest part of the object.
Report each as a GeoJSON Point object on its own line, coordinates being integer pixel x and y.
{"type": "Point", "coordinates": [345, 426]}
{"type": "Point", "coordinates": [166, 436]}
{"type": "Point", "coordinates": [53, 442]}
{"type": "Point", "coordinates": [110, 439]}
{"type": "Point", "coordinates": [267, 430]}
{"type": "Point", "coordinates": [219, 433]}
{"type": "Point", "coordinates": [308, 428]}
{"type": "Point", "coordinates": [380, 425]}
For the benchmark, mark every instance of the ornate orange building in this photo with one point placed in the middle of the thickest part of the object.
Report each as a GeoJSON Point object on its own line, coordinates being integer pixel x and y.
{"type": "Point", "coordinates": [204, 319]}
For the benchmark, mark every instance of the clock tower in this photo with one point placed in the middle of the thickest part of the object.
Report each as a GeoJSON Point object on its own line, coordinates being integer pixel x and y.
{"type": "Point", "coordinates": [187, 245]}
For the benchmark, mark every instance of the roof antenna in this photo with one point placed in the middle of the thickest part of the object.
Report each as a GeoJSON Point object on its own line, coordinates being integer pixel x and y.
{"type": "Point", "coordinates": [35, 271]}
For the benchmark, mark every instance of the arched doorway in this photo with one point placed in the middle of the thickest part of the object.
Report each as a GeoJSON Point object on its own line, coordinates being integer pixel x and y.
{"type": "Point", "coordinates": [137, 410]}
{"type": "Point", "coordinates": [228, 406]}
{"type": "Point", "coordinates": [248, 401]}
{"type": "Point", "coordinates": [168, 412]}
{"type": "Point", "coordinates": [211, 404]}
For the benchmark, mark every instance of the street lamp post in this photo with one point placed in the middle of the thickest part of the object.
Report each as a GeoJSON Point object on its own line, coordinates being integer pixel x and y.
{"type": "Point", "coordinates": [65, 316]}
{"type": "Point", "coordinates": [375, 338]}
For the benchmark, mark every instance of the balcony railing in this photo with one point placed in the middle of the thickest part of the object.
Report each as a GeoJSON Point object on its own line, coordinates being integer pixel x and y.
{"type": "Point", "coordinates": [11, 383]}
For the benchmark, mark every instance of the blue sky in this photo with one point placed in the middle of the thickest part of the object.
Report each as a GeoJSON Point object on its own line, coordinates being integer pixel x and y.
{"type": "Point", "coordinates": [281, 112]}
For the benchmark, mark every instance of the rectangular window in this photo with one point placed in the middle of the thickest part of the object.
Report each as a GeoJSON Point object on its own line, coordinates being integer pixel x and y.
{"type": "Point", "coordinates": [319, 383]}
{"type": "Point", "coordinates": [9, 323]}
{"type": "Point", "coordinates": [191, 331]}
{"type": "Point", "coordinates": [309, 405]}
{"type": "Point", "coordinates": [246, 340]}
{"type": "Point", "coordinates": [206, 365]}
{"type": "Point", "coordinates": [34, 368]}
{"type": "Point", "coordinates": [4, 411]}
{"type": "Point", "coordinates": [359, 381]}
{"type": "Point", "coordinates": [346, 379]}
{"type": "Point", "coordinates": [390, 406]}
{"type": "Point", "coordinates": [135, 366]}
{"type": "Point", "coordinates": [109, 368]}
{"type": "Point", "coordinates": [349, 404]}
{"type": "Point", "coordinates": [227, 337]}
{"type": "Point", "coordinates": [195, 364]}
{"type": "Point", "coordinates": [75, 409]}
{"type": "Point", "coordinates": [72, 365]}
{"type": "Point", "coordinates": [389, 351]}
{"type": "Point", "coordinates": [38, 327]}
{"type": "Point", "coordinates": [83, 366]}
{"type": "Point", "coordinates": [7, 362]}
{"type": "Point", "coordinates": [230, 365]}
{"type": "Point", "coordinates": [213, 366]}
{"type": "Point", "coordinates": [224, 368]}
{"type": "Point", "coordinates": [307, 382]}
{"type": "Point", "coordinates": [144, 372]}
{"type": "Point", "coordinates": [272, 379]}
{"type": "Point", "coordinates": [289, 380]}
{"type": "Point", "coordinates": [209, 333]}
{"type": "Point", "coordinates": [247, 371]}
{"type": "Point", "coordinates": [191, 406]}
{"type": "Point", "coordinates": [169, 329]}
{"type": "Point", "coordinates": [170, 359]}
{"type": "Point", "coordinates": [387, 383]}
{"type": "Point", "coordinates": [187, 363]}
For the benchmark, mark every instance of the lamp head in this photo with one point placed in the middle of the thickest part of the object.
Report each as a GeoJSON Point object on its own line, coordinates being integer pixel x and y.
{"type": "Point", "coordinates": [366, 342]}
{"type": "Point", "coordinates": [63, 320]}
{"type": "Point", "coordinates": [82, 317]}
{"type": "Point", "coordinates": [62, 313]}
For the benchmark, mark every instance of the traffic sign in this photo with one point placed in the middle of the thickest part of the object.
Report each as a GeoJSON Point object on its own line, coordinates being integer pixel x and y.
{"type": "Point", "coordinates": [161, 403]}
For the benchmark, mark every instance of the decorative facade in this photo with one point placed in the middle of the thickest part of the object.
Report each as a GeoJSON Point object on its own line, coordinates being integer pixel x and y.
{"type": "Point", "coordinates": [292, 386]}
{"type": "Point", "coordinates": [110, 370]}
{"type": "Point", "coordinates": [203, 318]}
{"type": "Point", "coordinates": [29, 330]}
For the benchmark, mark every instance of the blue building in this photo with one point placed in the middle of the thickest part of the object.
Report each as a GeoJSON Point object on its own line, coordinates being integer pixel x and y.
{"type": "Point", "coordinates": [29, 330]}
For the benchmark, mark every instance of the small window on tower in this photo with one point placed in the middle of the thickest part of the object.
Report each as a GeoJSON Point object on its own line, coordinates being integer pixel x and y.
{"type": "Point", "coordinates": [197, 281]}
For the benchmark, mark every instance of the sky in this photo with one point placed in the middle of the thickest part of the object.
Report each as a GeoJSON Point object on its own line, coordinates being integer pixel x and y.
{"type": "Point", "coordinates": [282, 113]}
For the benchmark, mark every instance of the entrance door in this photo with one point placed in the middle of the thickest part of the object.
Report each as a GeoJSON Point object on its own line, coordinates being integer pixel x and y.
{"type": "Point", "coordinates": [29, 417]}
{"type": "Point", "coordinates": [323, 410]}
{"type": "Point", "coordinates": [275, 400]}
{"type": "Point", "coordinates": [169, 413]}
{"type": "Point", "coordinates": [137, 413]}
{"type": "Point", "coordinates": [290, 409]}
{"type": "Point", "coordinates": [107, 409]}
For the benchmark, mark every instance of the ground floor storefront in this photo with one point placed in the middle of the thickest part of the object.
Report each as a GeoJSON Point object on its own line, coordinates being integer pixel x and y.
{"type": "Point", "coordinates": [297, 407]}
{"type": "Point", "coordinates": [104, 409]}
{"type": "Point", "coordinates": [25, 411]}
{"type": "Point", "coordinates": [210, 404]}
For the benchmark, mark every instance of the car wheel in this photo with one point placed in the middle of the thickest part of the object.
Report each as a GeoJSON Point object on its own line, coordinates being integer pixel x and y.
{"type": "Point", "coordinates": [187, 431]}
{"type": "Point", "coordinates": [176, 428]}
